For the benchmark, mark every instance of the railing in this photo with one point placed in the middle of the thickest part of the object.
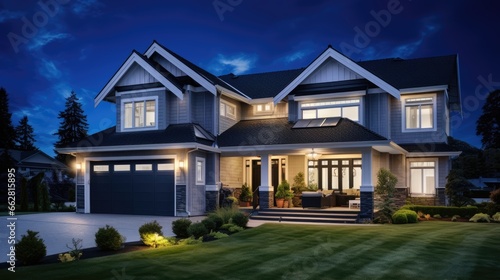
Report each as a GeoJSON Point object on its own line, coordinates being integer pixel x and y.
{"type": "Point", "coordinates": [255, 198]}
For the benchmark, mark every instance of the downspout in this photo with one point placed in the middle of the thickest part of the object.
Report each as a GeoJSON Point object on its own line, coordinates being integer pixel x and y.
{"type": "Point", "coordinates": [187, 180]}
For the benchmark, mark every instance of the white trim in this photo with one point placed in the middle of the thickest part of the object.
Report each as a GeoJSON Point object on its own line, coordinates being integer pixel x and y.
{"type": "Point", "coordinates": [403, 113]}
{"type": "Point", "coordinates": [124, 92]}
{"type": "Point", "coordinates": [122, 148]}
{"type": "Point", "coordinates": [330, 52]}
{"type": "Point", "coordinates": [357, 93]}
{"type": "Point", "coordinates": [155, 47]}
{"type": "Point", "coordinates": [138, 100]}
{"type": "Point", "coordinates": [86, 182]}
{"type": "Point", "coordinates": [436, 174]}
{"type": "Point", "coordinates": [359, 104]}
{"type": "Point", "coordinates": [203, 171]}
{"type": "Point", "coordinates": [228, 104]}
{"type": "Point", "coordinates": [211, 188]}
{"type": "Point", "coordinates": [233, 95]}
{"type": "Point", "coordinates": [134, 57]}
{"type": "Point", "coordinates": [424, 89]}
{"type": "Point", "coordinates": [433, 154]}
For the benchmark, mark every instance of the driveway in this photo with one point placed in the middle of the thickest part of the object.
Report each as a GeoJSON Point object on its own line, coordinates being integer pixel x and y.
{"type": "Point", "coordinates": [57, 229]}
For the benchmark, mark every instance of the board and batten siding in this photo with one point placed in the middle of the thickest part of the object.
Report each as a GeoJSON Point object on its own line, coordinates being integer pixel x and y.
{"type": "Point", "coordinates": [202, 108]}
{"type": "Point", "coordinates": [162, 104]}
{"type": "Point", "coordinates": [331, 71]}
{"type": "Point", "coordinates": [167, 65]}
{"type": "Point", "coordinates": [136, 75]}
{"type": "Point", "coordinates": [400, 137]}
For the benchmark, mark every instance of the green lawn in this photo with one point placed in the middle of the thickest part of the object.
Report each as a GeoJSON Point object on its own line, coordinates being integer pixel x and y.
{"type": "Point", "coordinates": [428, 250]}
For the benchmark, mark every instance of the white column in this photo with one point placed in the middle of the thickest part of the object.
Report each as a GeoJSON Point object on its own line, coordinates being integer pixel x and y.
{"type": "Point", "coordinates": [366, 175]}
{"type": "Point", "coordinates": [265, 173]}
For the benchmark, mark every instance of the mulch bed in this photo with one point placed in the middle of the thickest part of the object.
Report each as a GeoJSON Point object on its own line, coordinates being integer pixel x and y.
{"type": "Point", "coordinates": [90, 253]}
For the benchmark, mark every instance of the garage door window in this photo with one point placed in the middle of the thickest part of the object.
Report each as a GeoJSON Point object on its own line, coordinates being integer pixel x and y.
{"type": "Point", "coordinates": [101, 168]}
{"type": "Point", "coordinates": [143, 167]}
{"type": "Point", "coordinates": [165, 166]}
{"type": "Point", "coordinates": [122, 167]}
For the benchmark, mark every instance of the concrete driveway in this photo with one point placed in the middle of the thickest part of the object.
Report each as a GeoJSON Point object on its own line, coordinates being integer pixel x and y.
{"type": "Point", "coordinates": [57, 229]}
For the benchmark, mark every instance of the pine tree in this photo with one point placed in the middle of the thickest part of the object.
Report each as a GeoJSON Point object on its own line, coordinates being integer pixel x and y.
{"type": "Point", "coordinates": [73, 126]}
{"type": "Point", "coordinates": [24, 135]}
{"type": "Point", "coordinates": [488, 124]}
{"type": "Point", "coordinates": [7, 132]}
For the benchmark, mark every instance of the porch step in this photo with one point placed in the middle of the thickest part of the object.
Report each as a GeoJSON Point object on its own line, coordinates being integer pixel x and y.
{"type": "Point", "coordinates": [306, 215]}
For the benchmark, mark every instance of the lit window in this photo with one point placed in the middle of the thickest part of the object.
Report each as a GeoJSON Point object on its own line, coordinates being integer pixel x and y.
{"type": "Point", "coordinates": [143, 167]}
{"type": "Point", "coordinates": [227, 110]}
{"type": "Point", "coordinates": [419, 113]}
{"type": "Point", "coordinates": [139, 113]}
{"type": "Point", "coordinates": [101, 168]}
{"type": "Point", "coordinates": [263, 108]}
{"type": "Point", "coordinates": [200, 171]}
{"type": "Point", "coordinates": [348, 108]}
{"type": "Point", "coordinates": [423, 177]}
{"type": "Point", "coordinates": [122, 167]}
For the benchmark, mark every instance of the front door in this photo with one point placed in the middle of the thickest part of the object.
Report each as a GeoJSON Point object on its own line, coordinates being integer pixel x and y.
{"type": "Point", "coordinates": [256, 174]}
{"type": "Point", "coordinates": [336, 174]}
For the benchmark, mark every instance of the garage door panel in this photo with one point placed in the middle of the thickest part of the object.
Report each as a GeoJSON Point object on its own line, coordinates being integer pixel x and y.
{"type": "Point", "coordinates": [130, 191]}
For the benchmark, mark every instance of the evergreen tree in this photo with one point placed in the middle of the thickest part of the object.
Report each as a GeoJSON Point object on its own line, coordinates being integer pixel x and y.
{"type": "Point", "coordinates": [7, 132]}
{"type": "Point", "coordinates": [488, 124]}
{"type": "Point", "coordinates": [73, 126]}
{"type": "Point", "coordinates": [24, 135]}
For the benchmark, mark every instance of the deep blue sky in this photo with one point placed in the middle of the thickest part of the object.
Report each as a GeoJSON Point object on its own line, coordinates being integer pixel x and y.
{"type": "Point", "coordinates": [79, 44]}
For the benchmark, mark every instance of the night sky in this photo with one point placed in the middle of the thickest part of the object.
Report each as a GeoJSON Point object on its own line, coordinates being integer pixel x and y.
{"type": "Point", "coordinates": [50, 47]}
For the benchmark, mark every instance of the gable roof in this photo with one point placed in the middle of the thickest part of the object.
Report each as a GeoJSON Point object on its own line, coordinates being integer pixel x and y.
{"type": "Point", "coordinates": [138, 58]}
{"type": "Point", "coordinates": [29, 158]}
{"type": "Point", "coordinates": [280, 131]}
{"type": "Point", "coordinates": [419, 72]}
{"type": "Point", "coordinates": [175, 135]}
{"type": "Point", "coordinates": [344, 60]}
{"type": "Point", "coordinates": [432, 148]}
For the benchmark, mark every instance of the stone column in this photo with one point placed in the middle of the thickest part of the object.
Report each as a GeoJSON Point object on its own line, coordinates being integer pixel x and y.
{"type": "Point", "coordinates": [266, 191]}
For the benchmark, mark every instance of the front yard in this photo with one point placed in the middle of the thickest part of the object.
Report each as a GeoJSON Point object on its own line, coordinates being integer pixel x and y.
{"type": "Point", "coordinates": [427, 250]}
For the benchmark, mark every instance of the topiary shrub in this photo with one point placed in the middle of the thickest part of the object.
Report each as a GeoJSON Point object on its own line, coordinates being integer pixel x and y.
{"type": "Point", "coordinates": [399, 218]}
{"type": "Point", "coordinates": [239, 219]}
{"type": "Point", "coordinates": [411, 216]}
{"type": "Point", "coordinates": [30, 249]}
{"type": "Point", "coordinates": [496, 217]}
{"type": "Point", "coordinates": [180, 227]}
{"type": "Point", "coordinates": [209, 224]}
{"type": "Point", "coordinates": [151, 234]}
{"type": "Point", "coordinates": [109, 239]}
{"type": "Point", "coordinates": [480, 218]}
{"type": "Point", "coordinates": [216, 219]}
{"type": "Point", "coordinates": [197, 230]}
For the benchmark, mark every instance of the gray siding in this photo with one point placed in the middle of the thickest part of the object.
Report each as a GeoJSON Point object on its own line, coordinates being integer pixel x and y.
{"type": "Point", "coordinates": [401, 137]}
{"type": "Point", "coordinates": [377, 114]}
{"type": "Point", "coordinates": [202, 108]}
{"type": "Point", "coordinates": [196, 193]}
{"type": "Point", "coordinates": [293, 111]}
{"type": "Point", "coordinates": [444, 169]}
{"type": "Point", "coordinates": [178, 110]}
{"type": "Point", "coordinates": [225, 122]}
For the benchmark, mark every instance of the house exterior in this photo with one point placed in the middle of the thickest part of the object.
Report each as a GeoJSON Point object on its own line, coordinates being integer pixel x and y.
{"type": "Point", "coordinates": [30, 163]}
{"type": "Point", "coordinates": [182, 132]}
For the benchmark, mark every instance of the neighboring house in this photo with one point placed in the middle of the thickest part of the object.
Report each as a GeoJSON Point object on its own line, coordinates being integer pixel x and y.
{"type": "Point", "coordinates": [483, 188]}
{"type": "Point", "coordinates": [30, 163]}
{"type": "Point", "coordinates": [181, 132]}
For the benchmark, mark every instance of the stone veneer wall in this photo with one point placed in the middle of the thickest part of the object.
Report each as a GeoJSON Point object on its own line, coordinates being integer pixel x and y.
{"type": "Point", "coordinates": [212, 200]}
{"type": "Point", "coordinates": [180, 197]}
{"type": "Point", "coordinates": [366, 209]}
{"type": "Point", "coordinates": [266, 200]}
{"type": "Point", "coordinates": [400, 197]}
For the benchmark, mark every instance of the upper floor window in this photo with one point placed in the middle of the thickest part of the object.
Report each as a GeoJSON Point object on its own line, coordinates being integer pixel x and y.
{"type": "Point", "coordinates": [227, 110]}
{"type": "Point", "coordinates": [419, 113]}
{"type": "Point", "coordinates": [263, 108]}
{"type": "Point", "coordinates": [139, 113]}
{"type": "Point", "coordinates": [347, 108]}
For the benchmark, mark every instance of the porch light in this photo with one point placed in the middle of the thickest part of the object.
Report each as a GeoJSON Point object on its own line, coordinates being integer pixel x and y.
{"type": "Point", "coordinates": [78, 166]}
{"type": "Point", "coordinates": [181, 164]}
{"type": "Point", "coordinates": [313, 155]}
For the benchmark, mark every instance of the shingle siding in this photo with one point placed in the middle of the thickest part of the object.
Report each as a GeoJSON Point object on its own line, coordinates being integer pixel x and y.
{"type": "Point", "coordinates": [231, 170]}
{"type": "Point", "coordinates": [377, 114]}
{"type": "Point", "coordinates": [224, 122]}
{"type": "Point", "coordinates": [202, 108]}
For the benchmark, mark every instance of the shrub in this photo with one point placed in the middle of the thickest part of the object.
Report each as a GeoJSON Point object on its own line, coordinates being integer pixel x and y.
{"type": "Point", "coordinates": [436, 216]}
{"type": "Point", "coordinates": [225, 214]}
{"type": "Point", "coordinates": [495, 196]}
{"type": "Point", "coordinates": [480, 217]}
{"type": "Point", "coordinates": [496, 217]}
{"type": "Point", "coordinates": [209, 224]}
{"type": "Point", "coordinates": [30, 249]}
{"type": "Point", "coordinates": [231, 228]}
{"type": "Point", "coordinates": [399, 218]}
{"type": "Point", "coordinates": [239, 219]}
{"type": "Point", "coordinates": [444, 211]}
{"type": "Point", "coordinates": [411, 216]}
{"type": "Point", "coordinates": [76, 250]}
{"type": "Point", "coordinates": [151, 234]}
{"type": "Point", "coordinates": [108, 239]}
{"type": "Point", "coordinates": [385, 189]}
{"type": "Point", "coordinates": [67, 257]}
{"type": "Point", "coordinates": [197, 230]}
{"type": "Point", "coordinates": [218, 235]}
{"type": "Point", "coordinates": [216, 219]}
{"type": "Point", "coordinates": [180, 227]}
{"type": "Point", "coordinates": [190, 241]}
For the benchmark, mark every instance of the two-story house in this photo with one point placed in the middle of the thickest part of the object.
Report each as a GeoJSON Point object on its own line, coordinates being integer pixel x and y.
{"type": "Point", "coordinates": [181, 131]}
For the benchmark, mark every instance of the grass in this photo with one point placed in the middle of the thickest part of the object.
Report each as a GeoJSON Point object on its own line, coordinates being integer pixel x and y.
{"type": "Point", "coordinates": [427, 250]}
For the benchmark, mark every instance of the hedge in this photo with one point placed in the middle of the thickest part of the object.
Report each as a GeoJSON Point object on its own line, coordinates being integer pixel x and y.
{"type": "Point", "coordinates": [444, 211]}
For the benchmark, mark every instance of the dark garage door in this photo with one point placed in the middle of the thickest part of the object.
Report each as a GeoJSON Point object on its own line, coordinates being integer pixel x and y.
{"type": "Point", "coordinates": [132, 187]}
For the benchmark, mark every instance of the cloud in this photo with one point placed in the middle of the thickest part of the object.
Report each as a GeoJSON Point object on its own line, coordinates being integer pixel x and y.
{"type": "Point", "coordinates": [295, 56]}
{"type": "Point", "coordinates": [6, 15]}
{"type": "Point", "coordinates": [45, 38]}
{"type": "Point", "coordinates": [87, 8]}
{"type": "Point", "coordinates": [48, 69]}
{"type": "Point", "coordinates": [237, 64]}
{"type": "Point", "coordinates": [406, 50]}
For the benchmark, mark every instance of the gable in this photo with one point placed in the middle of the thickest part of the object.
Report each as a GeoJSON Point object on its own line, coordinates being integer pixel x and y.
{"type": "Point", "coordinates": [167, 65]}
{"type": "Point", "coordinates": [136, 75]}
{"type": "Point", "coordinates": [331, 71]}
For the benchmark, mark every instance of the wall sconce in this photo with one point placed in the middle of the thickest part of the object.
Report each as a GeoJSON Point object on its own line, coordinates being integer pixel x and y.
{"type": "Point", "coordinates": [181, 164]}
{"type": "Point", "coordinates": [78, 166]}
{"type": "Point", "coordinates": [313, 155]}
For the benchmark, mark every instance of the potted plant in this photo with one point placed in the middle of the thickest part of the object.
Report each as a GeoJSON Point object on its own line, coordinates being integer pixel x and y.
{"type": "Point", "coordinates": [245, 196]}
{"type": "Point", "coordinates": [298, 187]}
{"type": "Point", "coordinates": [283, 193]}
